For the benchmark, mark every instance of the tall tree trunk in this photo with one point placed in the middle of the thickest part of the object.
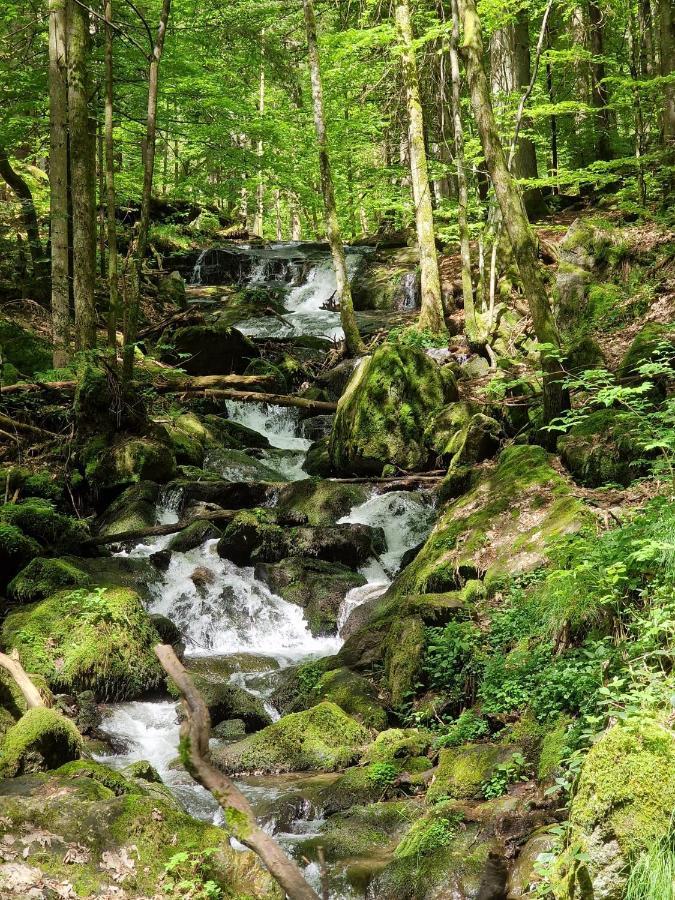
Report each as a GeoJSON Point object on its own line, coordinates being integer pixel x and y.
{"type": "Point", "coordinates": [277, 213]}
{"type": "Point", "coordinates": [58, 181]}
{"type": "Point", "coordinates": [82, 177]}
{"type": "Point", "coordinates": [260, 190]}
{"type": "Point", "coordinates": [599, 96]}
{"type": "Point", "coordinates": [667, 45]}
{"type": "Point", "coordinates": [28, 214]}
{"type": "Point", "coordinates": [431, 313]}
{"type": "Point", "coordinates": [351, 330]}
{"type": "Point", "coordinates": [513, 211]}
{"type": "Point", "coordinates": [113, 285]}
{"type": "Point", "coordinates": [144, 222]}
{"type": "Point", "coordinates": [470, 323]}
{"type": "Point", "coordinates": [296, 224]}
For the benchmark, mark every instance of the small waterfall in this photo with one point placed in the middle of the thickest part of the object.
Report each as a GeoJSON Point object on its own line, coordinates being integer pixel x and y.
{"type": "Point", "coordinates": [196, 277]}
{"type": "Point", "coordinates": [409, 291]}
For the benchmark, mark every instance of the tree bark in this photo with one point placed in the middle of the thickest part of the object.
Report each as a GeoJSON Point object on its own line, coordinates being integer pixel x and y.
{"type": "Point", "coordinates": [138, 254]}
{"type": "Point", "coordinates": [352, 337]}
{"type": "Point", "coordinates": [113, 286]}
{"type": "Point", "coordinates": [431, 312]}
{"type": "Point", "coordinates": [11, 663]}
{"type": "Point", "coordinates": [667, 42]}
{"type": "Point", "coordinates": [513, 212]}
{"type": "Point", "coordinates": [195, 733]}
{"type": "Point", "coordinates": [58, 182]}
{"type": "Point", "coordinates": [260, 189]}
{"type": "Point", "coordinates": [28, 214]}
{"type": "Point", "coordinates": [82, 177]}
{"type": "Point", "coordinates": [599, 95]}
{"type": "Point", "coordinates": [470, 323]}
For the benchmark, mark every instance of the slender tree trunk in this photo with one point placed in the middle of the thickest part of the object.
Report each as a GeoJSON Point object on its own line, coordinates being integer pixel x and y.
{"type": "Point", "coordinates": [58, 181]}
{"type": "Point", "coordinates": [260, 190]}
{"type": "Point", "coordinates": [513, 212]}
{"type": "Point", "coordinates": [470, 323]}
{"type": "Point", "coordinates": [351, 330]}
{"type": "Point", "coordinates": [553, 120]}
{"type": "Point", "coordinates": [431, 313]}
{"type": "Point", "coordinates": [113, 285]}
{"type": "Point", "coordinates": [101, 205]}
{"type": "Point", "coordinates": [148, 172]}
{"type": "Point", "coordinates": [599, 96]}
{"type": "Point", "coordinates": [277, 213]}
{"type": "Point", "coordinates": [82, 177]}
{"type": "Point", "coordinates": [28, 214]}
{"type": "Point", "coordinates": [296, 224]}
{"type": "Point", "coordinates": [667, 42]}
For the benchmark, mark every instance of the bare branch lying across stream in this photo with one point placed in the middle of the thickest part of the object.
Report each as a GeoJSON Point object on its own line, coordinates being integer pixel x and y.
{"type": "Point", "coordinates": [195, 733]}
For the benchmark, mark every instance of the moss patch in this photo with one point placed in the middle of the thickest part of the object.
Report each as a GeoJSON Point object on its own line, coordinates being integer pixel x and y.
{"type": "Point", "coordinates": [41, 739]}
{"type": "Point", "coordinates": [43, 577]}
{"type": "Point", "coordinates": [40, 520]}
{"type": "Point", "coordinates": [98, 639]}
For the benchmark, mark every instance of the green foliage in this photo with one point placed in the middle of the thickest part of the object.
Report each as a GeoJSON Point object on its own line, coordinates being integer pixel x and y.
{"type": "Point", "coordinates": [504, 774]}
{"type": "Point", "coordinates": [382, 773]}
{"type": "Point", "coordinates": [469, 726]}
{"type": "Point", "coordinates": [652, 874]}
{"type": "Point", "coordinates": [186, 875]}
{"type": "Point", "coordinates": [453, 659]}
{"type": "Point", "coordinates": [427, 836]}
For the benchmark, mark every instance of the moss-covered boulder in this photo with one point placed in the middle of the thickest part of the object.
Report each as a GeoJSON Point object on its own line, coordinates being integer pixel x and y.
{"type": "Point", "coordinates": [41, 739]}
{"type": "Point", "coordinates": [96, 833]}
{"type": "Point", "coordinates": [132, 510]}
{"type": "Point", "coordinates": [44, 483]}
{"type": "Point", "coordinates": [319, 587]}
{"type": "Point", "coordinates": [323, 738]}
{"type": "Point", "coordinates": [98, 639]}
{"type": "Point", "coordinates": [322, 502]}
{"type": "Point", "coordinates": [128, 459]}
{"type": "Point", "coordinates": [22, 350]}
{"type": "Point", "coordinates": [398, 746]}
{"type": "Point", "coordinates": [43, 577]}
{"type": "Point", "coordinates": [604, 448]}
{"type": "Point", "coordinates": [439, 858]}
{"type": "Point", "coordinates": [193, 536]}
{"type": "Point", "coordinates": [503, 525]}
{"type": "Point", "coordinates": [12, 701]}
{"type": "Point", "coordinates": [40, 520]}
{"type": "Point", "coordinates": [16, 550]}
{"type": "Point", "coordinates": [224, 699]}
{"type": "Point", "coordinates": [213, 349]}
{"type": "Point", "coordinates": [317, 462]}
{"type": "Point", "coordinates": [403, 655]}
{"type": "Point", "coordinates": [382, 415]}
{"type": "Point", "coordinates": [644, 347]}
{"type": "Point", "coordinates": [462, 772]}
{"type": "Point", "coordinates": [460, 435]}
{"type": "Point", "coordinates": [171, 290]}
{"type": "Point", "coordinates": [622, 806]}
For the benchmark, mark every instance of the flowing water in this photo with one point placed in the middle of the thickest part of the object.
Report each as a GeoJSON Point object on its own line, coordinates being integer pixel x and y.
{"type": "Point", "coordinates": [232, 612]}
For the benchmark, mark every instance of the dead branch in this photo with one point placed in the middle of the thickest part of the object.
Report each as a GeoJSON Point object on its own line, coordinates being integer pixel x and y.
{"type": "Point", "coordinates": [30, 693]}
{"type": "Point", "coordinates": [319, 406]}
{"type": "Point", "coordinates": [195, 734]}
{"type": "Point", "coordinates": [216, 515]}
{"type": "Point", "coordinates": [16, 425]}
{"type": "Point", "coordinates": [162, 386]}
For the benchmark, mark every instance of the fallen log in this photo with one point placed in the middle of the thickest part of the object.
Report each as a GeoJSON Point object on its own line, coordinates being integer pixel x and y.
{"type": "Point", "coordinates": [319, 406]}
{"type": "Point", "coordinates": [216, 515]}
{"type": "Point", "coordinates": [162, 386]}
{"type": "Point", "coordinates": [195, 734]}
{"type": "Point", "coordinates": [16, 425]}
{"type": "Point", "coordinates": [31, 694]}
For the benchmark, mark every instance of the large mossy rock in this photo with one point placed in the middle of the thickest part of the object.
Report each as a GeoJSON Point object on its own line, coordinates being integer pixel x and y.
{"type": "Point", "coordinates": [171, 290]}
{"type": "Point", "coordinates": [461, 436]}
{"type": "Point", "coordinates": [213, 349]}
{"type": "Point", "coordinates": [503, 526]}
{"type": "Point", "coordinates": [40, 520]}
{"type": "Point", "coordinates": [463, 771]}
{"type": "Point", "coordinates": [23, 353]}
{"type": "Point", "coordinates": [43, 577]}
{"type": "Point", "coordinates": [132, 510]}
{"type": "Point", "coordinates": [98, 639]}
{"type": "Point", "coordinates": [16, 551]}
{"type": "Point", "coordinates": [323, 738]}
{"type": "Point", "coordinates": [224, 699]}
{"type": "Point", "coordinates": [128, 459]}
{"type": "Point", "coordinates": [604, 449]}
{"type": "Point", "coordinates": [643, 348]}
{"type": "Point", "coordinates": [623, 805]}
{"type": "Point", "coordinates": [110, 826]}
{"type": "Point", "coordinates": [42, 739]}
{"type": "Point", "coordinates": [382, 415]}
{"type": "Point", "coordinates": [322, 502]}
{"type": "Point", "coordinates": [319, 587]}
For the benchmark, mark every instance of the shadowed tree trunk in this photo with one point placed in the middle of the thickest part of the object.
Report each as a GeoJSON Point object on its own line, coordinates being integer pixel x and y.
{"type": "Point", "coordinates": [82, 177]}
{"type": "Point", "coordinates": [513, 212]}
{"type": "Point", "coordinates": [58, 181]}
{"type": "Point", "coordinates": [113, 287]}
{"type": "Point", "coordinates": [28, 216]}
{"type": "Point", "coordinates": [667, 42]}
{"type": "Point", "coordinates": [599, 96]}
{"type": "Point", "coordinates": [431, 312]}
{"type": "Point", "coordinates": [351, 330]}
{"type": "Point", "coordinates": [138, 254]}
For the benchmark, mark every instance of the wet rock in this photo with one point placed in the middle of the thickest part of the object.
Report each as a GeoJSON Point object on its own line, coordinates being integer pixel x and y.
{"type": "Point", "coordinates": [462, 436]}
{"type": "Point", "coordinates": [41, 739]}
{"type": "Point", "coordinates": [317, 586]}
{"type": "Point", "coordinates": [224, 494]}
{"type": "Point", "coordinates": [523, 875]}
{"type": "Point", "coordinates": [382, 414]}
{"type": "Point", "coordinates": [388, 280]}
{"type": "Point", "coordinates": [335, 380]}
{"type": "Point", "coordinates": [213, 350]}
{"type": "Point", "coordinates": [193, 536]}
{"type": "Point", "coordinates": [168, 631]}
{"type": "Point", "coordinates": [321, 502]}
{"type": "Point", "coordinates": [225, 700]}
{"type": "Point", "coordinates": [202, 577]}
{"type": "Point", "coordinates": [317, 427]}
{"type": "Point", "coordinates": [323, 738]}
{"type": "Point", "coordinates": [111, 465]}
{"type": "Point", "coordinates": [317, 461]}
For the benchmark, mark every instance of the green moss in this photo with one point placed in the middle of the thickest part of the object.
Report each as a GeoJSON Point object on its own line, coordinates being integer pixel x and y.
{"type": "Point", "coordinates": [397, 745]}
{"type": "Point", "coordinates": [604, 449]}
{"type": "Point", "coordinates": [41, 739]}
{"type": "Point", "coordinates": [43, 577]}
{"type": "Point", "coordinates": [553, 747]}
{"type": "Point", "coordinates": [109, 778]}
{"type": "Point", "coordinates": [403, 657]}
{"type": "Point", "coordinates": [462, 772]}
{"type": "Point", "coordinates": [323, 738]}
{"type": "Point", "coordinates": [128, 460]}
{"type": "Point", "coordinates": [22, 350]}
{"type": "Point", "coordinates": [323, 502]}
{"type": "Point", "coordinates": [132, 510]}
{"type": "Point", "coordinates": [362, 830]}
{"type": "Point", "coordinates": [45, 485]}
{"type": "Point", "coordinates": [382, 414]}
{"type": "Point", "coordinates": [644, 345]}
{"type": "Point", "coordinates": [98, 639]}
{"type": "Point", "coordinates": [16, 549]}
{"type": "Point", "coordinates": [39, 520]}
{"type": "Point", "coordinates": [503, 525]}
{"type": "Point", "coordinates": [352, 693]}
